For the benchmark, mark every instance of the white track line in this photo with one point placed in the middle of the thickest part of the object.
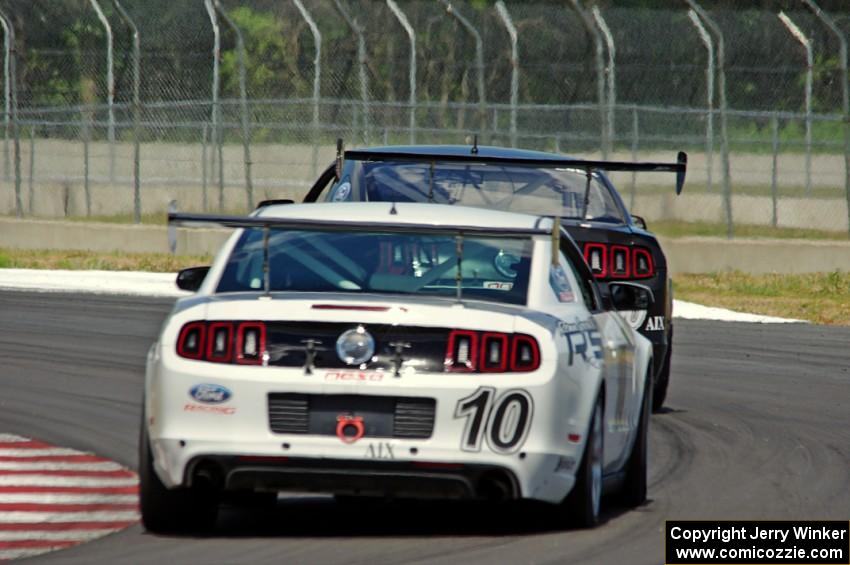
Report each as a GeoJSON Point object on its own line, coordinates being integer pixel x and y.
{"type": "Point", "coordinates": [38, 452]}
{"type": "Point", "coordinates": [53, 481]}
{"type": "Point", "coordinates": [11, 438]}
{"type": "Point", "coordinates": [56, 535]}
{"type": "Point", "coordinates": [58, 466]}
{"type": "Point", "coordinates": [56, 517]}
{"type": "Point", "coordinates": [66, 498]}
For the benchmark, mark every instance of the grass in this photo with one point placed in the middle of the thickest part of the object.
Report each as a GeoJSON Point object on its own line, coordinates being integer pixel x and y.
{"type": "Point", "coordinates": [87, 260]}
{"type": "Point", "coordinates": [686, 229]}
{"type": "Point", "coordinates": [822, 298]}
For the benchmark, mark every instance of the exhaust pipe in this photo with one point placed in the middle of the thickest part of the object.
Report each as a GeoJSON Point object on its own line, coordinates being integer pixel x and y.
{"type": "Point", "coordinates": [208, 475]}
{"type": "Point", "coordinates": [495, 487]}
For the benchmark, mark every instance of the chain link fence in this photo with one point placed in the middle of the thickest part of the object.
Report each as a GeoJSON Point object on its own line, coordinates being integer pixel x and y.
{"type": "Point", "coordinates": [220, 128]}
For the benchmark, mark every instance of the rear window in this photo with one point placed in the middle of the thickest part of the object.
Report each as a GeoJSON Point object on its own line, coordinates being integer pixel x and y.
{"type": "Point", "coordinates": [512, 188]}
{"type": "Point", "coordinates": [493, 269]}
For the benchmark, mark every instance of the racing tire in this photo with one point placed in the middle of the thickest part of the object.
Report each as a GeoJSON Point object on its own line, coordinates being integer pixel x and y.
{"type": "Point", "coordinates": [634, 486]}
{"type": "Point", "coordinates": [171, 511]}
{"type": "Point", "coordinates": [584, 501]}
{"type": "Point", "coordinates": [659, 391]}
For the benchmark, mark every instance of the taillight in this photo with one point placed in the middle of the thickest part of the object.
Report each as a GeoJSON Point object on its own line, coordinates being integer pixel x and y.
{"type": "Point", "coordinates": [642, 263]}
{"type": "Point", "coordinates": [462, 351]}
{"type": "Point", "coordinates": [491, 352]}
{"type": "Point", "coordinates": [618, 261]}
{"type": "Point", "coordinates": [219, 342]}
{"type": "Point", "coordinates": [190, 343]}
{"type": "Point", "coordinates": [250, 343]}
{"type": "Point", "coordinates": [596, 255]}
{"type": "Point", "coordinates": [494, 352]}
{"type": "Point", "coordinates": [526, 354]}
{"type": "Point", "coordinates": [223, 342]}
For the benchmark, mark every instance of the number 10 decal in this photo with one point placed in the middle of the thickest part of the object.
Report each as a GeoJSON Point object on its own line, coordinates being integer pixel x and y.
{"type": "Point", "coordinates": [505, 422]}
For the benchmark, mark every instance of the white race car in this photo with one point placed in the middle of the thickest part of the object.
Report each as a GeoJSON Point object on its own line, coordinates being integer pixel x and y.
{"type": "Point", "coordinates": [399, 351]}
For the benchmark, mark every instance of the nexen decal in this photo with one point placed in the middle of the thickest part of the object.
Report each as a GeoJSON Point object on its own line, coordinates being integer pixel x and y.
{"type": "Point", "coordinates": [654, 324]}
{"type": "Point", "coordinates": [373, 376]}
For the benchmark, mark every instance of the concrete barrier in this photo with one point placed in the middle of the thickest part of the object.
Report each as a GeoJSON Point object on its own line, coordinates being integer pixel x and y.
{"type": "Point", "coordinates": [684, 255]}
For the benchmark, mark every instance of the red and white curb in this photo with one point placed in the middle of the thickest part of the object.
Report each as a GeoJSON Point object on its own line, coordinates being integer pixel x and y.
{"type": "Point", "coordinates": [55, 497]}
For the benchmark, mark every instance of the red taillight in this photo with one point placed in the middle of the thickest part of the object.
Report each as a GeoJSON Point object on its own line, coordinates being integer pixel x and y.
{"type": "Point", "coordinates": [620, 267]}
{"type": "Point", "coordinates": [190, 343]}
{"type": "Point", "coordinates": [596, 255]}
{"type": "Point", "coordinates": [642, 266]}
{"type": "Point", "coordinates": [462, 351]}
{"type": "Point", "coordinates": [494, 352]}
{"type": "Point", "coordinates": [219, 342]}
{"type": "Point", "coordinates": [470, 351]}
{"type": "Point", "coordinates": [223, 342]}
{"type": "Point", "coordinates": [618, 261]}
{"type": "Point", "coordinates": [250, 343]}
{"type": "Point", "coordinates": [525, 355]}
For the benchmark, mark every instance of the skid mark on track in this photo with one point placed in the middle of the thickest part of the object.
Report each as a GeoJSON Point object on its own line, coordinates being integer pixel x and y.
{"type": "Point", "coordinates": [55, 497]}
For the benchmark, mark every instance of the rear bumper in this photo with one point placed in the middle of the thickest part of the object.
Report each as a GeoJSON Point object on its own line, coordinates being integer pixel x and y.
{"type": "Point", "coordinates": [346, 477]}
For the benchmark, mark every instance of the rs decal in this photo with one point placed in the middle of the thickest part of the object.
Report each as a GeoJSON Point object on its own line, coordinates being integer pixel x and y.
{"type": "Point", "coordinates": [505, 422]}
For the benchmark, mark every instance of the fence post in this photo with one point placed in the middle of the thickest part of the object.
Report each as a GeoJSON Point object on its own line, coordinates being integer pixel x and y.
{"type": "Point", "coordinates": [709, 97]}
{"type": "Point", "coordinates": [31, 174]}
{"type": "Point", "coordinates": [612, 82]}
{"type": "Point", "coordinates": [807, 45]}
{"type": "Point", "coordinates": [7, 89]}
{"type": "Point", "coordinates": [9, 30]}
{"type": "Point", "coordinates": [845, 93]}
{"type": "Point", "coordinates": [317, 75]}
{"type": "Point", "coordinates": [724, 130]}
{"type": "Point", "coordinates": [243, 102]}
{"type": "Point", "coordinates": [774, 171]}
{"type": "Point", "coordinates": [362, 59]}
{"type": "Point", "coordinates": [137, 193]}
{"type": "Point", "coordinates": [216, 134]}
{"type": "Point", "coordinates": [635, 143]}
{"type": "Point", "coordinates": [110, 88]}
{"type": "Point", "coordinates": [204, 138]}
{"type": "Point", "coordinates": [512, 33]}
{"type": "Point", "coordinates": [402, 19]}
{"type": "Point", "coordinates": [86, 118]}
{"type": "Point", "coordinates": [593, 32]}
{"type": "Point", "coordinates": [479, 60]}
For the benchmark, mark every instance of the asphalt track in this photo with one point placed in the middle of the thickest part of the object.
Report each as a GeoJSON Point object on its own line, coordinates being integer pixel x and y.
{"type": "Point", "coordinates": [758, 427]}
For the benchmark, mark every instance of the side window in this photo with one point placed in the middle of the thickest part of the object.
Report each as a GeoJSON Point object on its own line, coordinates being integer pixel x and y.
{"type": "Point", "coordinates": [573, 261]}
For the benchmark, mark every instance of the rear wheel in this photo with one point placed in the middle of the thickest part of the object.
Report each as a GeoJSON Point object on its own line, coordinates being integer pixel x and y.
{"type": "Point", "coordinates": [634, 488]}
{"type": "Point", "coordinates": [659, 391]}
{"type": "Point", "coordinates": [585, 499]}
{"type": "Point", "coordinates": [171, 511]}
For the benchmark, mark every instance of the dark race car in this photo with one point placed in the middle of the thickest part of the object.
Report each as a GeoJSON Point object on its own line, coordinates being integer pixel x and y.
{"type": "Point", "coordinates": [615, 244]}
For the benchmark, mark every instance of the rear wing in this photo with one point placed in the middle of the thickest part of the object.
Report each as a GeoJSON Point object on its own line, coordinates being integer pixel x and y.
{"type": "Point", "coordinates": [458, 231]}
{"type": "Point", "coordinates": [207, 220]}
{"type": "Point", "coordinates": [589, 166]}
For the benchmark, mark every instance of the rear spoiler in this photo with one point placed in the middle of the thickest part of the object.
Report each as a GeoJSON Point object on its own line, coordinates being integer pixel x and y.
{"type": "Point", "coordinates": [589, 166]}
{"type": "Point", "coordinates": [208, 220]}
{"type": "Point", "coordinates": [267, 224]}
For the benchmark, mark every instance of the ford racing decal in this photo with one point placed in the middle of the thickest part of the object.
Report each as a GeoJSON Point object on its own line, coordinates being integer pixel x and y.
{"type": "Point", "coordinates": [210, 393]}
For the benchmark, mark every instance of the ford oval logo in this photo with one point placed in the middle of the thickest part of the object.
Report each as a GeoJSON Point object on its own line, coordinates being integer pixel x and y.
{"type": "Point", "coordinates": [210, 394]}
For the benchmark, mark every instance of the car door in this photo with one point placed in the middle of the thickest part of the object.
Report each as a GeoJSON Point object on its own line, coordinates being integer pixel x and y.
{"type": "Point", "coordinates": [617, 351]}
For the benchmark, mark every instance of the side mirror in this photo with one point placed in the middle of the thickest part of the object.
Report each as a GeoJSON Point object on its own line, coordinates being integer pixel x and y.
{"type": "Point", "coordinates": [639, 221]}
{"type": "Point", "coordinates": [630, 296]}
{"type": "Point", "coordinates": [190, 279]}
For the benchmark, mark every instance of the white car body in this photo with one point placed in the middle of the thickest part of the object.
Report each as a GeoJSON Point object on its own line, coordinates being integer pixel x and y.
{"type": "Point", "coordinates": [215, 416]}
